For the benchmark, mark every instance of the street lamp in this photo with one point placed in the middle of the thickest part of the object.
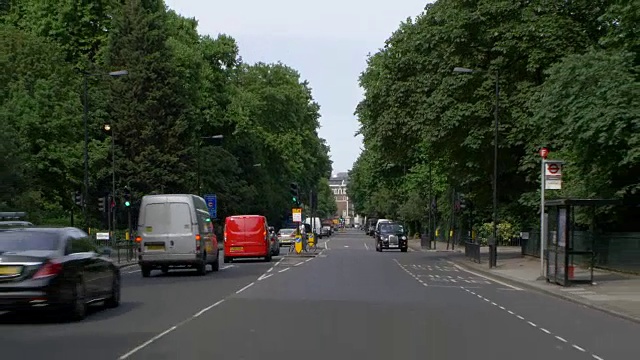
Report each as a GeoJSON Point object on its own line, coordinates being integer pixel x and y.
{"type": "Point", "coordinates": [493, 248]}
{"type": "Point", "coordinates": [85, 116]}
{"type": "Point", "coordinates": [199, 154]}
{"type": "Point", "coordinates": [111, 212]}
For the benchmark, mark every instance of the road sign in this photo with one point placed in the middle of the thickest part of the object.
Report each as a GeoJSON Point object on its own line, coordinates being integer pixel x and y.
{"type": "Point", "coordinates": [102, 236]}
{"type": "Point", "coordinates": [553, 169]}
{"type": "Point", "coordinates": [297, 214]}
{"type": "Point", "coordinates": [212, 205]}
{"type": "Point", "coordinates": [544, 152]}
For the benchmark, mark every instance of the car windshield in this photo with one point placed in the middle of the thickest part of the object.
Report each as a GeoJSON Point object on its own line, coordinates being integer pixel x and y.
{"type": "Point", "coordinates": [28, 240]}
{"type": "Point", "coordinates": [390, 227]}
{"type": "Point", "coordinates": [286, 231]}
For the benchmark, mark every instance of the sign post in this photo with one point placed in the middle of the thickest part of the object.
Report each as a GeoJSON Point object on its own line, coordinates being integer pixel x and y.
{"type": "Point", "coordinates": [550, 179]}
{"type": "Point", "coordinates": [212, 205]}
{"type": "Point", "coordinates": [297, 215]}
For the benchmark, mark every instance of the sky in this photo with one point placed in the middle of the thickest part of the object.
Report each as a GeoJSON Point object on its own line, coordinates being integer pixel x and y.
{"type": "Point", "coordinates": [327, 42]}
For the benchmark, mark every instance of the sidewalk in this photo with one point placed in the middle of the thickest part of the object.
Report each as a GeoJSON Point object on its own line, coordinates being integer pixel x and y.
{"type": "Point", "coordinates": [614, 293]}
{"type": "Point", "coordinates": [414, 244]}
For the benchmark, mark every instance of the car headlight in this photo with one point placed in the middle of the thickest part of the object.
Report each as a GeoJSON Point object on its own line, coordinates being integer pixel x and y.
{"type": "Point", "coordinates": [404, 238]}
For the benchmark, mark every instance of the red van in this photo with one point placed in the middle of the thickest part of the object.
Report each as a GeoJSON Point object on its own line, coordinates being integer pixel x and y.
{"type": "Point", "coordinates": [246, 236]}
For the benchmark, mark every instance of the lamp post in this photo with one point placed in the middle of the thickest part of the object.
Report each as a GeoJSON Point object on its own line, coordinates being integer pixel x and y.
{"type": "Point", "coordinates": [493, 247]}
{"type": "Point", "coordinates": [85, 117]}
{"type": "Point", "coordinates": [199, 187]}
{"type": "Point", "coordinates": [112, 216]}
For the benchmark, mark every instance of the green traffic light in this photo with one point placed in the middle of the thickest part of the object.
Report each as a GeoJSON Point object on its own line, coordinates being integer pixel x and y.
{"type": "Point", "coordinates": [126, 203]}
{"type": "Point", "coordinates": [295, 199]}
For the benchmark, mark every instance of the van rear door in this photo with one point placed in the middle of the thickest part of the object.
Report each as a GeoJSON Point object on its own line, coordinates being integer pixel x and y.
{"type": "Point", "coordinates": [245, 234]}
{"type": "Point", "coordinates": [168, 228]}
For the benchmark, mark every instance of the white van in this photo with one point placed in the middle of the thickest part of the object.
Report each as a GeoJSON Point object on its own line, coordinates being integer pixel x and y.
{"type": "Point", "coordinates": [175, 230]}
{"type": "Point", "coordinates": [316, 225]}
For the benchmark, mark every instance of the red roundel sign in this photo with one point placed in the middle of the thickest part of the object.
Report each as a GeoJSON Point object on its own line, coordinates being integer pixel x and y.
{"type": "Point", "coordinates": [553, 168]}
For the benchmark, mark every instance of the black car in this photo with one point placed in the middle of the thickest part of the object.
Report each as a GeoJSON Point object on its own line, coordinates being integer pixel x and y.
{"type": "Point", "coordinates": [391, 235]}
{"type": "Point", "coordinates": [60, 269]}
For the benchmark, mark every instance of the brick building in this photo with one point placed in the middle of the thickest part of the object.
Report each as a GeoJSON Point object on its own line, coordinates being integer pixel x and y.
{"type": "Point", "coordinates": [338, 184]}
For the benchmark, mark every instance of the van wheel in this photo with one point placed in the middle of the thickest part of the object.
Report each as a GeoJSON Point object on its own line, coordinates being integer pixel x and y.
{"type": "Point", "coordinates": [146, 271]}
{"type": "Point", "coordinates": [165, 270]}
{"type": "Point", "coordinates": [215, 265]}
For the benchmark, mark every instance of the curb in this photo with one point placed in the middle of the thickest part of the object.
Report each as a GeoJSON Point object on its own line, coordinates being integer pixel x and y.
{"type": "Point", "coordinates": [572, 299]}
{"type": "Point", "coordinates": [120, 266]}
{"type": "Point", "coordinates": [420, 249]}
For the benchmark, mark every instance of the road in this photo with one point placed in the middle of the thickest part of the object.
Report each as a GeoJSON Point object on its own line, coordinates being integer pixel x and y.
{"type": "Point", "coordinates": [349, 302]}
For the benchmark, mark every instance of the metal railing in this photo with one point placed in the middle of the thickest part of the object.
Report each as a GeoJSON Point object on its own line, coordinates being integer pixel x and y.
{"type": "Point", "coordinates": [122, 251]}
{"type": "Point", "coordinates": [472, 251]}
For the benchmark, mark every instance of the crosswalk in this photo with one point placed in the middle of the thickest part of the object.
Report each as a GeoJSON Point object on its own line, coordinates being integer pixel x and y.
{"type": "Point", "coordinates": [443, 268]}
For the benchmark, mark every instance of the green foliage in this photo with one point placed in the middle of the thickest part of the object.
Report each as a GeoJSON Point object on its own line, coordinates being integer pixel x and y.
{"type": "Point", "coordinates": [568, 79]}
{"type": "Point", "coordinates": [182, 89]}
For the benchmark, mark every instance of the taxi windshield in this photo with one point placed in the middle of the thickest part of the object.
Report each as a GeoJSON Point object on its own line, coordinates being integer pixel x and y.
{"type": "Point", "coordinates": [391, 228]}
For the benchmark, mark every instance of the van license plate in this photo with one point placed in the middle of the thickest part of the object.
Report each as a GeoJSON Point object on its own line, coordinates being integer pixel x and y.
{"type": "Point", "coordinates": [155, 247]}
{"type": "Point", "coordinates": [237, 248]}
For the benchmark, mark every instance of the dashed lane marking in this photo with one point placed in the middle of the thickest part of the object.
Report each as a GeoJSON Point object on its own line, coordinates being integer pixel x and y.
{"type": "Point", "coordinates": [520, 317]}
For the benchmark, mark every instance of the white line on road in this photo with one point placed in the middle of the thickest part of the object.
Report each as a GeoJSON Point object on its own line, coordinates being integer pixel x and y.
{"type": "Point", "coordinates": [207, 308]}
{"type": "Point", "coordinates": [245, 288]}
{"type": "Point", "coordinates": [366, 246]}
{"type": "Point", "coordinates": [270, 269]}
{"type": "Point", "coordinates": [264, 276]}
{"type": "Point", "coordinates": [309, 259]}
{"type": "Point", "coordinates": [285, 269]}
{"type": "Point", "coordinates": [326, 244]}
{"type": "Point", "coordinates": [226, 267]}
{"type": "Point", "coordinates": [532, 324]}
{"type": "Point", "coordinates": [300, 263]}
{"type": "Point", "coordinates": [147, 343]}
{"type": "Point", "coordinates": [488, 278]}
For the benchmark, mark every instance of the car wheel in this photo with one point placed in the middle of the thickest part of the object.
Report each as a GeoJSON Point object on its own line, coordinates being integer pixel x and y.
{"type": "Point", "coordinates": [146, 271]}
{"type": "Point", "coordinates": [165, 270]}
{"type": "Point", "coordinates": [215, 265]}
{"type": "Point", "coordinates": [403, 249]}
{"type": "Point", "coordinates": [114, 300]}
{"type": "Point", "coordinates": [268, 258]}
{"type": "Point", "coordinates": [380, 242]}
{"type": "Point", "coordinates": [78, 307]}
{"type": "Point", "coordinates": [277, 251]}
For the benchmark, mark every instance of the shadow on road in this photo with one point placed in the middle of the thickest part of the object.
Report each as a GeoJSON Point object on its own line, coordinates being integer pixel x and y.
{"type": "Point", "coordinates": [95, 313]}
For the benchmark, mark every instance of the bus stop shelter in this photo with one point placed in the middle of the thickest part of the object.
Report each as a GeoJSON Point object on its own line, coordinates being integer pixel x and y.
{"type": "Point", "coordinates": [567, 262]}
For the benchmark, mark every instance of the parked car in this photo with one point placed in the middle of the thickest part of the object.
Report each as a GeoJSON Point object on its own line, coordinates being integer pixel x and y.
{"type": "Point", "coordinates": [246, 236]}
{"type": "Point", "coordinates": [56, 269]}
{"type": "Point", "coordinates": [325, 231]}
{"type": "Point", "coordinates": [275, 241]}
{"type": "Point", "coordinates": [286, 236]}
{"type": "Point", "coordinates": [175, 231]}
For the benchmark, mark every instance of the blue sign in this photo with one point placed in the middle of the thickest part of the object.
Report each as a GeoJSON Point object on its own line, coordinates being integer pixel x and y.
{"type": "Point", "coordinates": [212, 205]}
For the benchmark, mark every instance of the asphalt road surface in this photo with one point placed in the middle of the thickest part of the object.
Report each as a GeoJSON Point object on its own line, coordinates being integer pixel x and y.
{"type": "Point", "coordinates": [349, 302]}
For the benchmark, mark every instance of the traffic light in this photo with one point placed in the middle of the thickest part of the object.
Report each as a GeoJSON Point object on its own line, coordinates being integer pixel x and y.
{"type": "Point", "coordinates": [127, 197]}
{"type": "Point", "coordinates": [295, 193]}
{"type": "Point", "coordinates": [102, 204]}
{"type": "Point", "coordinates": [77, 197]}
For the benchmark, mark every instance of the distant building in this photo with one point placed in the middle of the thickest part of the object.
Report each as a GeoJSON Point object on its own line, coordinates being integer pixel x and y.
{"type": "Point", "coordinates": [338, 184]}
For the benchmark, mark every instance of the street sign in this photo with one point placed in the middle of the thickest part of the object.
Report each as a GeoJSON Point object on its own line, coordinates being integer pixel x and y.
{"type": "Point", "coordinates": [553, 169]}
{"type": "Point", "coordinates": [212, 205]}
{"type": "Point", "coordinates": [544, 152]}
{"type": "Point", "coordinates": [297, 214]}
{"type": "Point", "coordinates": [553, 174]}
{"type": "Point", "coordinates": [102, 236]}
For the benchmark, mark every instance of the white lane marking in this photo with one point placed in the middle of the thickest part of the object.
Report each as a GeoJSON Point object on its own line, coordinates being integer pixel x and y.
{"type": "Point", "coordinates": [132, 272]}
{"type": "Point", "coordinates": [283, 270]}
{"type": "Point", "coordinates": [207, 308]}
{"type": "Point", "coordinates": [245, 288]}
{"type": "Point", "coordinates": [346, 246]}
{"type": "Point", "coordinates": [486, 277]}
{"type": "Point", "coordinates": [309, 259]}
{"type": "Point", "coordinates": [270, 269]}
{"type": "Point", "coordinates": [226, 267]}
{"type": "Point", "coordinates": [575, 346]}
{"type": "Point", "coordinates": [300, 263]}
{"type": "Point", "coordinates": [326, 244]}
{"type": "Point", "coordinates": [366, 246]}
{"type": "Point", "coordinates": [264, 276]}
{"type": "Point", "coordinates": [147, 343]}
